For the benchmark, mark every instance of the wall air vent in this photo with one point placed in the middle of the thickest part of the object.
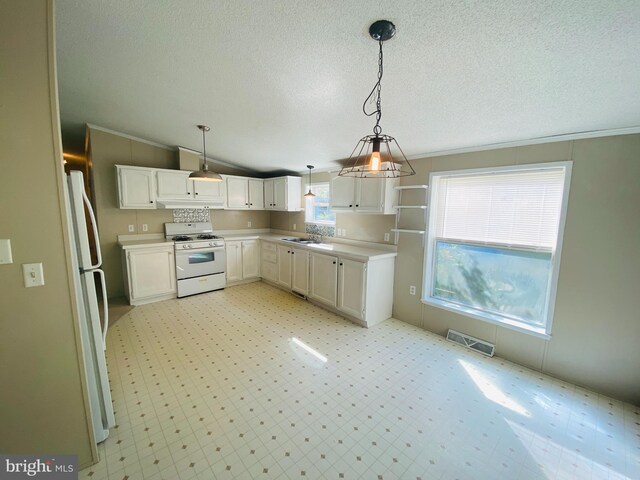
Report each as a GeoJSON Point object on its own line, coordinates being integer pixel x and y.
{"type": "Point", "coordinates": [476, 344]}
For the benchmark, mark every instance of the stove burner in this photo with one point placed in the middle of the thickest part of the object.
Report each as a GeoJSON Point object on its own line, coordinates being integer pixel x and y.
{"type": "Point", "coordinates": [207, 236]}
{"type": "Point", "coordinates": [181, 238]}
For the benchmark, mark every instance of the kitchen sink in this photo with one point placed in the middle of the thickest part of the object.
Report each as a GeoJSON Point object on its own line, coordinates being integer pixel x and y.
{"type": "Point", "coordinates": [304, 241]}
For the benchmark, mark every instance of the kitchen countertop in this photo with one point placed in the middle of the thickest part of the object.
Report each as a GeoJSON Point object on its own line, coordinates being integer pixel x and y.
{"type": "Point", "coordinates": [350, 251]}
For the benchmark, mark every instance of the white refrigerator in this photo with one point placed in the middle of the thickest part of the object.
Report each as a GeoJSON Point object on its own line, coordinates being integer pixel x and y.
{"type": "Point", "coordinates": [93, 334]}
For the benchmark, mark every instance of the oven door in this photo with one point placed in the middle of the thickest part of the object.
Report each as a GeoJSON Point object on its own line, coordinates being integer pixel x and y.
{"type": "Point", "coordinates": [199, 262]}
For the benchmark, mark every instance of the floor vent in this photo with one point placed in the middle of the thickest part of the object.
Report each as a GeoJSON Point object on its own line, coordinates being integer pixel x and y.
{"type": "Point", "coordinates": [476, 344]}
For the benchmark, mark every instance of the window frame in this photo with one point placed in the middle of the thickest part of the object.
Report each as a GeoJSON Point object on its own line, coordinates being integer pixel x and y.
{"type": "Point", "coordinates": [328, 204]}
{"type": "Point", "coordinates": [492, 318]}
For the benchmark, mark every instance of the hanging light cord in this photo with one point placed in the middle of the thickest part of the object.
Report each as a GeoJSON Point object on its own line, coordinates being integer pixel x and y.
{"type": "Point", "coordinates": [376, 94]}
{"type": "Point", "coordinates": [204, 152]}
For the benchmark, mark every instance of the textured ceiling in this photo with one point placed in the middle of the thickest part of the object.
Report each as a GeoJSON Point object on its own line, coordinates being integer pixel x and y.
{"type": "Point", "coordinates": [281, 83]}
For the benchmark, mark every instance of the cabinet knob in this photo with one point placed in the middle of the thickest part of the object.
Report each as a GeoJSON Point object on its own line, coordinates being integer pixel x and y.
{"type": "Point", "coordinates": [150, 201]}
{"type": "Point", "coordinates": [351, 205]}
{"type": "Point", "coordinates": [357, 205]}
{"type": "Point", "coordinates": [340, 263]}
{"type": "Point", "coordinates": [251, 204]}
{"type": "Point", "coordinates": [292, 253]}
{"type": "Point", "coordinates": [334, 263]}
{"type": "Point", "coordinates": [246, 204]}
{"type": "Point", "coordinates": [189, 193]}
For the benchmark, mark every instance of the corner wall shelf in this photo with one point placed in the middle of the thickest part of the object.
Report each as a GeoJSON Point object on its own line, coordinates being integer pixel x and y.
{"type": "Point", "coordinates": [421, 230]}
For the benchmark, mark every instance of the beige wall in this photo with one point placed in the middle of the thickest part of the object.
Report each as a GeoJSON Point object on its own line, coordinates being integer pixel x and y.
{"type": "Point", "coordinates": [108, 149]}
{"type": "Point", "coordinates": [597, 325]}
{"type": "Point", "coordinates": [42, 408]}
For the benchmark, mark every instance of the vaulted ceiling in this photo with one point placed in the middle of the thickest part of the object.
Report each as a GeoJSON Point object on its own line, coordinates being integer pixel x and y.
{"type": "Point", "coordinates": [281, 83]}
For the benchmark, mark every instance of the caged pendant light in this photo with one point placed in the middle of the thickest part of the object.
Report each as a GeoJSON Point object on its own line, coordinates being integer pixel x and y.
{"type": "Point", "coordinates": [372, 157]}
{"type": "Point", "coordinates": [204, 174]}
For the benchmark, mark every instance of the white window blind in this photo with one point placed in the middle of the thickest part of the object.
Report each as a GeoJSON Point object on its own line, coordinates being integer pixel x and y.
{"type": "Point", "coordinates": [514, 208]}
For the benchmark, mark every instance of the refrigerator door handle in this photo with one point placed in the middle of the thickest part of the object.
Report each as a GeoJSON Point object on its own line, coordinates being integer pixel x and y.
{"type": "Point", "coordinates": [94, 225]}
{"type": "Point", "coordinates": [105, 306]}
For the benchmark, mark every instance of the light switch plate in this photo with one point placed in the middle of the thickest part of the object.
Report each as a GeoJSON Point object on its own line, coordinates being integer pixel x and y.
{"type": "Point", "coordinates": [32, 274]}
{"type": "Point", "coordinates": [5, 251]}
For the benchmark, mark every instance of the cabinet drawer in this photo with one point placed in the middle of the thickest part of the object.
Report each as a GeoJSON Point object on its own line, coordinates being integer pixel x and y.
{"type": "Point", "coordinates": [270, 247]}
{"type": "Point", "coordinates": [269, 257]}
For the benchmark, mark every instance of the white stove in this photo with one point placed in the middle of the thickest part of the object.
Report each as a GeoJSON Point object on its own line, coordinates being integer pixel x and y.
{"type": "Point", "coordinates": [200, 257]}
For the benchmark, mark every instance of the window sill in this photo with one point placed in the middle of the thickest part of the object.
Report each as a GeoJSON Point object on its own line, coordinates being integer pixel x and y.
{"type": "Point", "coordinates": [489, 318]}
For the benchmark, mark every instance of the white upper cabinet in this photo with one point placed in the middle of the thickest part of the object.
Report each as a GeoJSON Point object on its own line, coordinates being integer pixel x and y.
{"type": "Point", "coordinates": [256, 193]}
{"type": "Point", "coordinates": [342, 193]}
{"type": "Point", "coordinates": [136, 187]}
{"type": "Point", "coordinates": [173, 185]}
{"type": "Point", "coordinates": [213, 192]}
{"type": "Point", "coordinates": [244, 193]}
{"type": "Point", "coordinates": [283, 193]}
{"type": "Point", "coordinates": [363, 195]}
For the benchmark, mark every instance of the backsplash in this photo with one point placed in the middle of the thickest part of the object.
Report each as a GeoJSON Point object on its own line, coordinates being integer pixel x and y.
{"type": "Point", "coordinates": [191, 215]}
{"type": "Point", "coordinates": [315, 230]}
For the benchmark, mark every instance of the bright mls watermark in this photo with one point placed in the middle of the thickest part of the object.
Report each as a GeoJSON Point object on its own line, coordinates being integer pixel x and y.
{"type": "Point", "coordinates": [51, 467]}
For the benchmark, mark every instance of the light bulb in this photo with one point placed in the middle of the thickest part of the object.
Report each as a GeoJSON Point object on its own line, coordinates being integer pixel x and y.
{"type": "Point", "coordinates": [374, 162]}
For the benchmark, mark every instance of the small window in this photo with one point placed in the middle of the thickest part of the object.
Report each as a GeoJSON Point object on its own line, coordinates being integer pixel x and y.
{"type": "Point", "coordinates": [317, 208]}
{"type": "Point", "coordinates": [494, 242]}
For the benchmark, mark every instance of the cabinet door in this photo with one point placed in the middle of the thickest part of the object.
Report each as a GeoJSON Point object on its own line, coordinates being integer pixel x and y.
{"type": "Point", "coordinates": [323, 278]}
{"type": "Point", "coordinates": [268, 195]}
{"type": "Point", "coordinates": [351, 287]}
{"type": "Point", "coordinates": [284, 266]}
{"type": "Point", "coordinates": [369, 195]}
{"type": "Point", "coordinates": [280, 193]}
{"type": "Point", "coordinates": [233, 251]}
{"type": "Point", "coordinates": [152, 272]}
{"type": "Point", "coordinates": [342, 193]}
{"type": "Point", "coordinates": [173, 185]}
{"type": "Point", "coordinates": [300, 271]}
{"type": "Point", "coordinates": [250, 258]}
{"type": "Point", "coordinates": [213, 191]}
{"type": "Point", "coordinates": [256, 194]}
{"type": "Point", "coordinates": [237, 193]}
{"type": "Point", "coordinates": [136, 188]}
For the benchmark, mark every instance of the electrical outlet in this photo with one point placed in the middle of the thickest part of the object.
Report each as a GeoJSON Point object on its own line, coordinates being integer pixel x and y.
{"type": "Point", "coordinates": [386, 237]}
{"type": "Point", "coordinates": [249, 224]}
{"type": "Point", "coordinates": [412, 290]}
{"type": "Point", "coordinates": [145, 227]}
{"type": "Point", "coordinates": [132, 228]}
{"type": "Point", "coordinates": [344, 232]}
{"type": "Point", "coordinates": [294, 226]}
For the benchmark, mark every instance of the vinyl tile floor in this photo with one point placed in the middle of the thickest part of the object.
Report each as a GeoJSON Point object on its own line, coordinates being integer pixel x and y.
{"type": "Point", "coordinates": [253, 382]}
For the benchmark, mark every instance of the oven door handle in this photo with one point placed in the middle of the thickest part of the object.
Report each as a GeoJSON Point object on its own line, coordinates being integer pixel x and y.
{"type": "Point", "coordinates": [199, 250]}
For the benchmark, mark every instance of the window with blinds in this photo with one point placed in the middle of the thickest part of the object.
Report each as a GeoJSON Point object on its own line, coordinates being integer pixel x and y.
{"type": "Point", "coordinates": [494, 240]}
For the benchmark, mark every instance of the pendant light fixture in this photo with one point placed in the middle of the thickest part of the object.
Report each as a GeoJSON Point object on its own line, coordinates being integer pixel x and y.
{"type": "Point", "coordinates": [372, 157]}
{"type": "Point", "coordinates": [309, 193]}
{"type": "Point", "coordinates": [205, 174]}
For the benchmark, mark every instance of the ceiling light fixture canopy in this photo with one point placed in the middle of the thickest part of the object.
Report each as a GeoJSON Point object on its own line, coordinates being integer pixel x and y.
{"type": "Point", "coordinates": [372, 157]}
{"type": "Point", "coordinates": [204, 174]}
{"type": "Point", "coordinates": [309, 193]}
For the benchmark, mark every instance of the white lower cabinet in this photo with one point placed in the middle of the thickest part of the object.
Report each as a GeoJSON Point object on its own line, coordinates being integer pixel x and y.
{"type": "Point", "coordinates": [250, 259]}
{"type": "Point", "coordinates": [323, 278]}
{"type": "Point", "coordinates": [243, 260]}
{"type": "Point", "coordinates": [150, 274]}
{"type": "Point", "coordinates": [352, 286]}
{"type": "Point", "coordinates": [293, 269]}
{"type": "Point", "coordinates": [361, 290]}
{"type": "Point", "coordinates": [269, 261]}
